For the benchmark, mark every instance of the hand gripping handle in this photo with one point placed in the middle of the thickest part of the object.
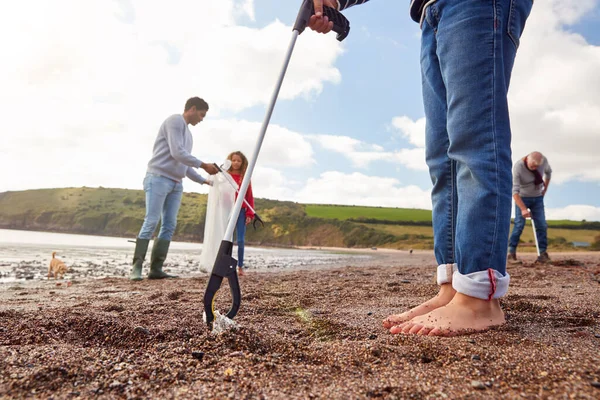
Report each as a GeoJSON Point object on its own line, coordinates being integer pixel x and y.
{"type": "Point", "coordinates": [341, 25]}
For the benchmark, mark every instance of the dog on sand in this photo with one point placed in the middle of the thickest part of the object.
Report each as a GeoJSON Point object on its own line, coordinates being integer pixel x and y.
{"type": "Point", "coordinates": [57, 267]}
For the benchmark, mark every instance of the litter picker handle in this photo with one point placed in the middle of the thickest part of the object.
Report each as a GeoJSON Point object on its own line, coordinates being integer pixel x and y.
{"type": "Point", "coordinates": [341, 25]}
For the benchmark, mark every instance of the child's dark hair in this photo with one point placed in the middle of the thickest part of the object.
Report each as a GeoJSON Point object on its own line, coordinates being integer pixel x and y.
{"type": "Point", "coordinates": [244, 162]}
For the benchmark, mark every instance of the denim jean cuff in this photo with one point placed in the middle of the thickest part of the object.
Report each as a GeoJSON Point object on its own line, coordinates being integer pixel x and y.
{"type": "Point", "coordinates": [445, 272]}
{"type": "Point", "coordinates": [512, 250]}
{"type": "Point", "coordinates": [485, 285]}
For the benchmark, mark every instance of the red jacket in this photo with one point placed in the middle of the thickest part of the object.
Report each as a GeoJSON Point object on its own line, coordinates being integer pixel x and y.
{"type": "Point", "coordinates": [249, 197]}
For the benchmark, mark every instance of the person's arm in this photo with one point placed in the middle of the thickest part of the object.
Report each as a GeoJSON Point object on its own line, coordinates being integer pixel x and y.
{"type": "Point", "coordinates": [343, 4]}
{"type": "Point", "coordinates": [250, 199]}
{"type": "Point", "coordinates": [175, 128]}
{"type": "Point", "coordinates": [547, 176]}
{"type": "Point", "coordinates": [196, 177]}
{"type": "Point", "coordinates": [546, 184]}
{"type": "Point", "coordinates": [519, 202]}
{"type": "Point", "coordinates": [517, 193]}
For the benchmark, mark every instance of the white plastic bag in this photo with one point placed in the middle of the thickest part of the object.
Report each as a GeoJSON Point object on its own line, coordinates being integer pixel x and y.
{"type": "Point", "coordinates": [221, 323]}
{"type": "Point", "coordinates": [221, 199]}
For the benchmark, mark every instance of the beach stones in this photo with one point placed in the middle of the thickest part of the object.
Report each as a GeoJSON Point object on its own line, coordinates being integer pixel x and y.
{"type": "Point", "coordinates": [141, 329]}
{"type": "Point", "coordinates": [478, 385]}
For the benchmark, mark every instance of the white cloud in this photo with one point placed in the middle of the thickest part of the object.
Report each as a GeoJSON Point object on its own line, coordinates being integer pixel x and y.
{"type": "Point", "coordinates": [414, 131]}
{"type": "Point", "coordinates": [334, 187]}
{"type": "Point", "coordinates": [270, 183]}
{"type": "Point", "coordinates": [574, 212]}
{"type": "Point", "coordinates": [86, 85]}
{"type": "Point", "coordinates": [362, 154]}
{"type": "Point", "coordinates": [339, 144]}
{"type": "Point", "coordinates": [555, 91]}
{"type": "Point", "coordinates": [280, 148]}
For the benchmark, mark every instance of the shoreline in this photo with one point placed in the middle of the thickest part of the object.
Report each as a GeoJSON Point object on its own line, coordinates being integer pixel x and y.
{"type": "Point", "coordinates": [523, 248]}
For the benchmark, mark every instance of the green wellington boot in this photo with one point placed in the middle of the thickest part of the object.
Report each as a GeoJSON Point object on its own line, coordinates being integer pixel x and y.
{"type": "Point", "coordinates": [139, 254]}
{"type": "Point", "coordinates": [159, 255]}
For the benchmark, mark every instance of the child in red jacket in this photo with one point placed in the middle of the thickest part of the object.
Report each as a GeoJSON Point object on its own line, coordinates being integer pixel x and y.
{"type": "Point", "coordinates": [239, 164]}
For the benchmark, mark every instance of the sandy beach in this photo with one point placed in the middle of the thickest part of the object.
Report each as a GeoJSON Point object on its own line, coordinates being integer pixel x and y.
{"type": "Point", "coordinates": [310, 333]}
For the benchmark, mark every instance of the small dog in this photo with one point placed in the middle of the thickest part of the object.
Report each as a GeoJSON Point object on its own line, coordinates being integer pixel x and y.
{"type": "Point", "coordinates": [57, 267]}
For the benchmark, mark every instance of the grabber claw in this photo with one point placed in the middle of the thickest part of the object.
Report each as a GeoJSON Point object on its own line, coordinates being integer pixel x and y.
{"type": "Point", "coordinates": [224, 267]}
{"type": "Point", "coordinates": [256, 220]}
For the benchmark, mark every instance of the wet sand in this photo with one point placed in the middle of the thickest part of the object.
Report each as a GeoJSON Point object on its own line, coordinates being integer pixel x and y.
{"type": "Point", "coordinates": [303, 334]}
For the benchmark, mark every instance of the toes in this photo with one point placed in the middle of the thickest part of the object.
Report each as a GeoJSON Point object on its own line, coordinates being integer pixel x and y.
{"type": "Point", "coordinates": [442, 332]}
{"type": "Point", "coordinates": [425, 331]}
{"type": "Point", "coordinates": [406, 328]}
{"type": "Point", "coordinates": [394, 330]}
{"type": "Point", "coordinates": [415, 329]}
{"type": "Point", "coordinates": [398, 327]}
{"type": "Point", "coordinates": [392, 320]}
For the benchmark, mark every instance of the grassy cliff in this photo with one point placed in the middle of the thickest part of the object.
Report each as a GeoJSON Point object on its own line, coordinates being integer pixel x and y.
{"type": "Point", "coordinates": [120, 212]}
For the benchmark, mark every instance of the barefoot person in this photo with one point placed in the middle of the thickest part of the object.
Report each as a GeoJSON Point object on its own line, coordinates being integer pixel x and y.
{"type": "Point", "coordinates": [171, 161]}
{"type": "Point", "coordinates": [467, 54]}
{"type": "Point", "coordinates": [531, 178]}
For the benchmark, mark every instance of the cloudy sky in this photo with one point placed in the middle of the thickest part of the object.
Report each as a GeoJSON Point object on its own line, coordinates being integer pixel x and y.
{"type": "Point", "coordinates": [86, 85]}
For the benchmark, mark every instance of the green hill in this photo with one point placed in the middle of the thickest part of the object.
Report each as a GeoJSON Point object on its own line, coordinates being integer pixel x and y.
{"type": "Point", "coordinates": [120, 212]}
{"type": "Point", "coordinates": [377, 213]}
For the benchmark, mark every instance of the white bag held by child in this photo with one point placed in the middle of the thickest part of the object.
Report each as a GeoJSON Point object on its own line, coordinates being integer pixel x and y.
{"type": "Point", "coordinates": [221, 199]}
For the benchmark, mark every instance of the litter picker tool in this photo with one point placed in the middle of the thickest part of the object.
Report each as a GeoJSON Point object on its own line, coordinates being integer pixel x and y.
{"type": "Point", "coordinates": [225, 264]}
{"type": "Point", "coordinates": [537, 246]}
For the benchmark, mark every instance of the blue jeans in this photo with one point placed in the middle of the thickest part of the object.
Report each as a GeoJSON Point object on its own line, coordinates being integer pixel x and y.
{"type": "Point", "coordinates": [536, 205]}
{"type": "Point", "coordinates": [163, 198]}
{"type": "Point", "coordinates": [467, 53]}
{"type": "Point", "coordinates": [240, 234]}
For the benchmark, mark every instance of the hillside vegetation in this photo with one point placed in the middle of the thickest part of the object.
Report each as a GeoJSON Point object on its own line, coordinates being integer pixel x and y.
{"type": "Point", "coordinates": [120, 212]}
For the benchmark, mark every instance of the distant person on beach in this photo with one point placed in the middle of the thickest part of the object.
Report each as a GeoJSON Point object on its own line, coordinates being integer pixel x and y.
{"type": "Point", "coordinates": [171, 161]}
{"type": "Point", "coordinates": [531, 178]}
{"type": "Point", "coordinates": [239, 164]}
{"type": "Point", "coordinates": [467, 53]}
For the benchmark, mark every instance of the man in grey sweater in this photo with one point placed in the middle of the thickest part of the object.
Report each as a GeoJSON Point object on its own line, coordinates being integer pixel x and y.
{"type": "Point", "coordinates": [171, 161]}
{"type": "Point", "coordinates": [531, 178]}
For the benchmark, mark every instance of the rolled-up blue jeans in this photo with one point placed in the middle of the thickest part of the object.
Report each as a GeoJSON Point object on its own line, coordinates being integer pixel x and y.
{"type": "Point", "coordinates": [163, 198]}
{"type": "Point", "coordinates": [467, 54]}
{"type": "Point", "coordinates": [240, 234]}
{"type": "Point", "coordinates": [538, 214]}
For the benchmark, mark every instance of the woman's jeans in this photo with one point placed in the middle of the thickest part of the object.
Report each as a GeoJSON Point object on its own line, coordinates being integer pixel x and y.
{"type": "Point", "coordinates": [467, 53]}
{"type": "Point", "coordinates": [240, 231]}
{"type": "Point", "coordinates": [163, 198]}
{"type": "Point", "coordinates": [536, 206]}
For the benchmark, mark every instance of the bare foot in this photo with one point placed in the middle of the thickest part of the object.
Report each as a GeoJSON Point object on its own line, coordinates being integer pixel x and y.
{"type": "Point", "coordinates": [463, 315]}
{"type": "Point", "coordinates": [443, 297]}
{"type": "Point", "coordinates": [240, 271]}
